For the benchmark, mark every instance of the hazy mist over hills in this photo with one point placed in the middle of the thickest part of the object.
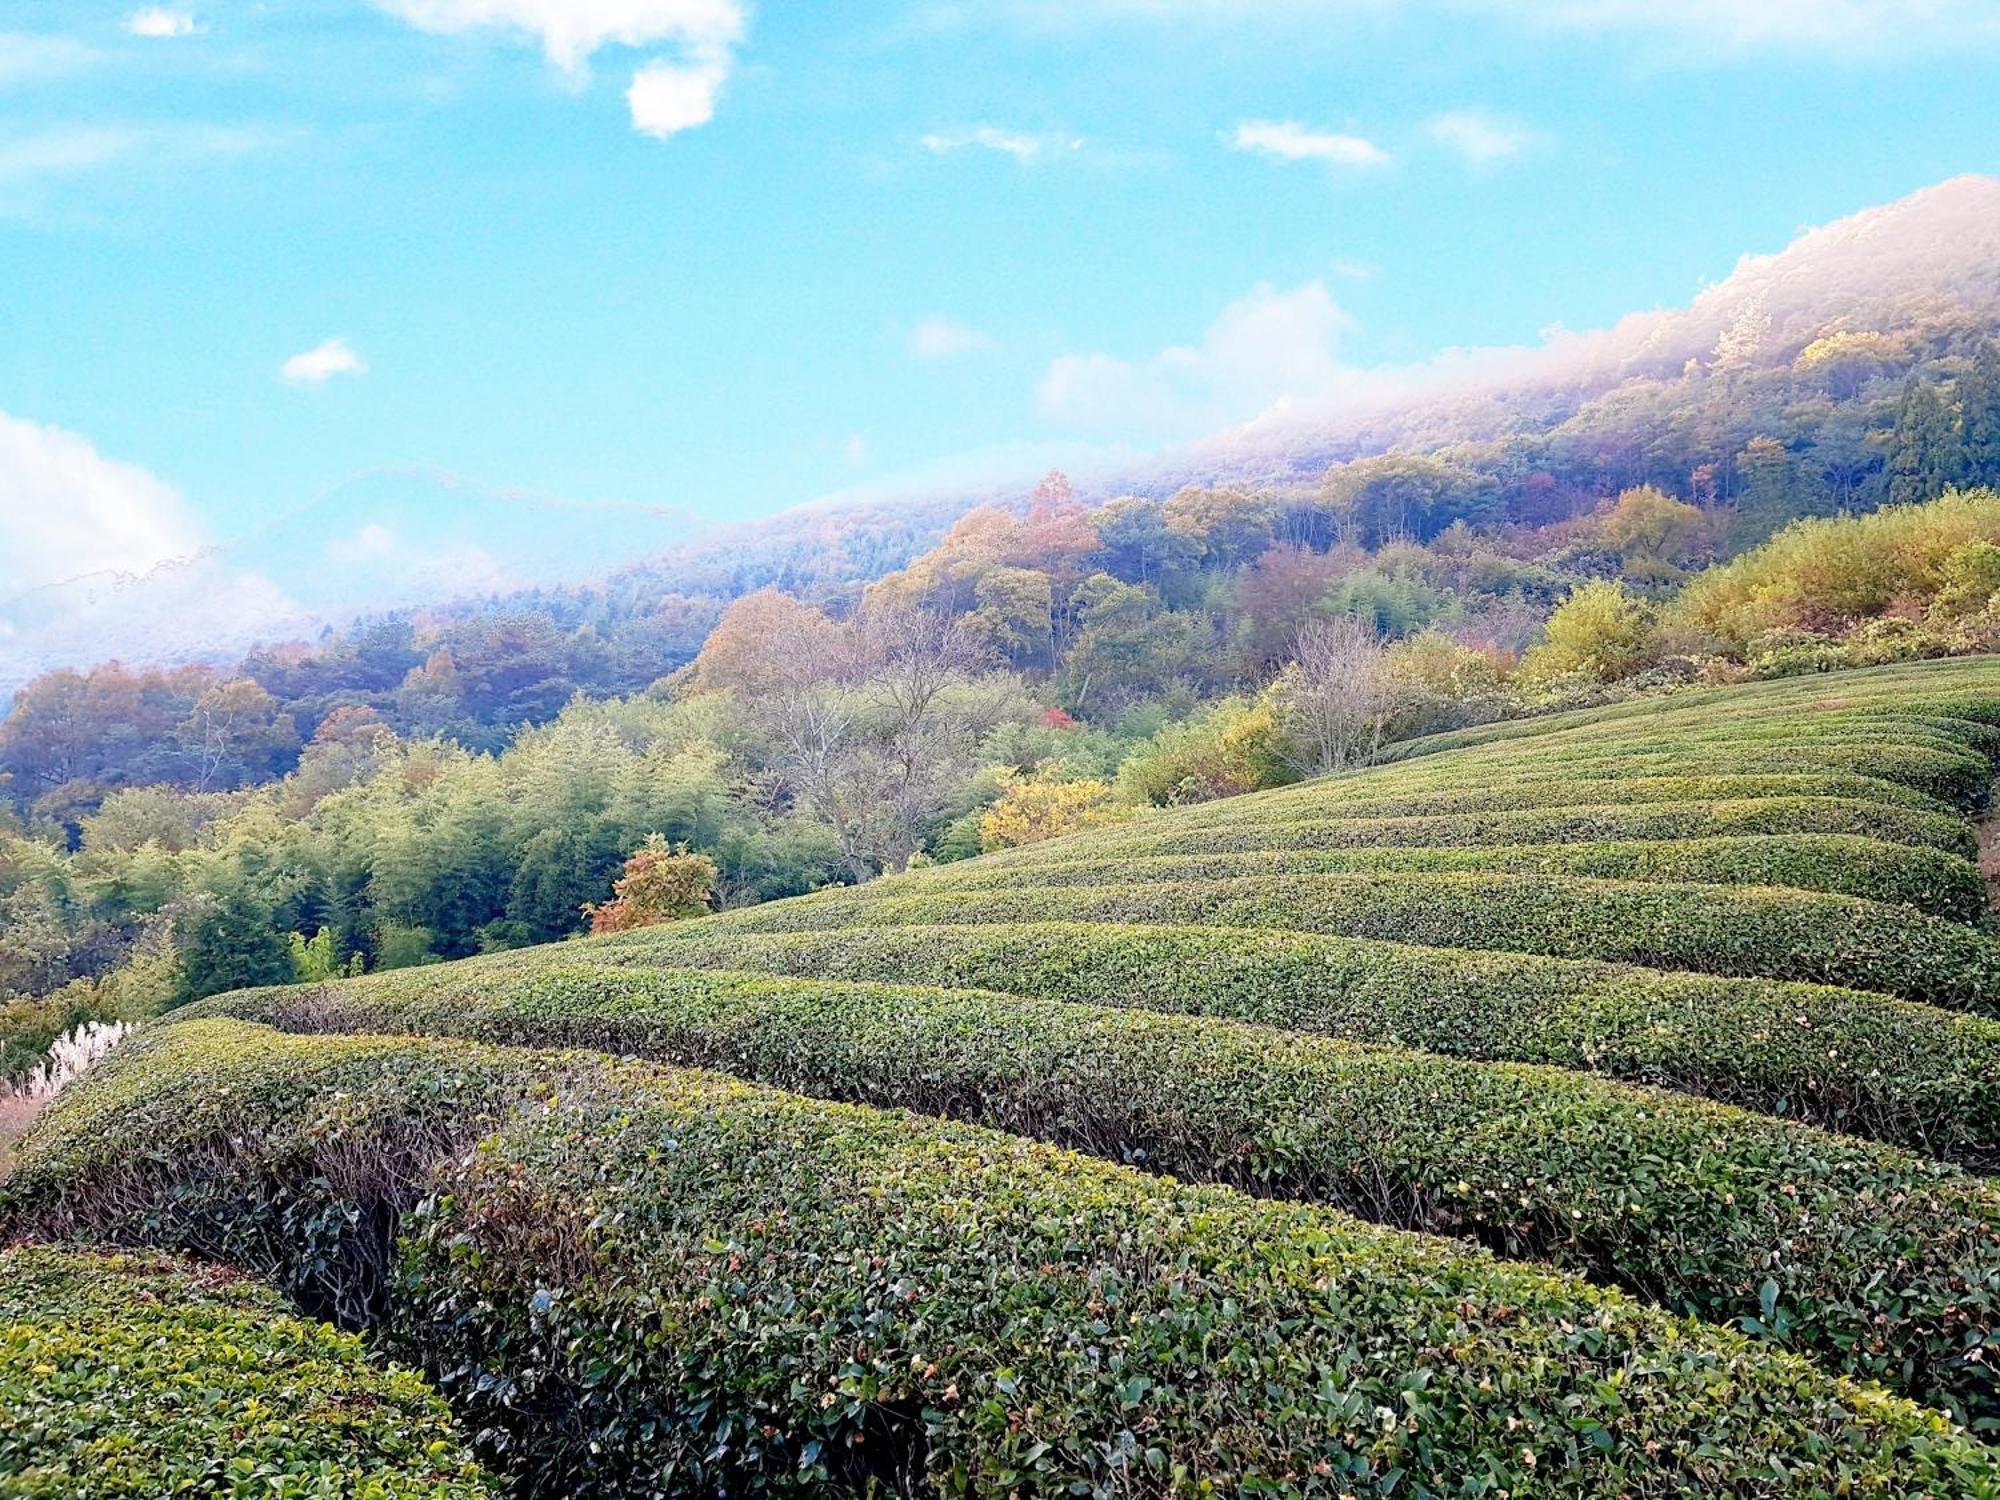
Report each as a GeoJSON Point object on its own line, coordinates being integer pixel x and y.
{"type": "Point", "coordinates": [406, 538]}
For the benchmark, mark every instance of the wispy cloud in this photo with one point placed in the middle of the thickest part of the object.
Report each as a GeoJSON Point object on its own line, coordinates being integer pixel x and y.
{"type": "Point", "coordinates": [36, 168]}
{"type": "Point", "coordinates": [1287, 140]}
{"type": "Point", "coordinates": [59, 152]}
{"type": "Point", "coordinates": [1698, 30]}
{"type": "Point", "coordinates": [321, 363]}
{"type": "Point", "coordinates": [1480, 138]}
{"type": "Point", "coordinates": [939, 337]}
{"type": "Point", "coordinates": [29, 57]}
{"type": "Point", "coordinates": [160, 21]}
{"type": "Point", "coordinates": [1024, 148]}
{"type": "Point", "coordinates": [1740, 25]}
{"type": "Point", "coordinates": [667, 94]}
{"type": "Point", "coordinates": [1268, 346]}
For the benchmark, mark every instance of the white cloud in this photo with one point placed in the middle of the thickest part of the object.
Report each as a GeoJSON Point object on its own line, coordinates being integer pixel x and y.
{"type": "Point", "coordinates": [160, 21]}
{"type": "Point", "coordinates": [855, 450]}
{"type": "Point", "coordinates": [571, 30]}
{"type": "Point", "coordinates": [316, 365]}
{"type": "Point", "coordinates": [1022, 147]}
{"type": "Point", "coordinates": [1268, 347]}
{"type": "Point", "coordinates": [667, 98]}
{"type": "Point", "coordinates": [667, 95]}
{"type": "Point", "coordinates": [1356, 270]}
{"type": "Point", "coordinates": [1287, 140]}
{"type": "Point", "coordinates": [68, 510]}
{"type": "Point", "coordinates": [939, 337]}
{"type": "Point", "coordinates": [1480, 138]}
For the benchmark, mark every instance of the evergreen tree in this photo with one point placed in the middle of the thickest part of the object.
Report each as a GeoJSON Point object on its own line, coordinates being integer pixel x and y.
{"type": "Point", "coordinates": [234, 945]}
{"type": "Point", "coordinates": [1926, 456]}
{"type": "Point", "coordinates": [1769, 497]}
{"type": "Point", "coordinates": [1979, 419]}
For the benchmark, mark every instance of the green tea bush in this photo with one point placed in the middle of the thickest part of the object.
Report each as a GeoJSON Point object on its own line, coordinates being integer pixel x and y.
{"type": "Point", "coordinates": [1378, 794]}
{"type": "Point", "coordinates": [1956, 776]}
{"type": "Point", "coordinates": [1844, 864]}
{"type": "Point", "coordinates": [1583, 822]}
{"type": "Point", "coordinates": [1879, 1263]}
{"type": "Point", "coordinates": [137, 1376]}
{"type": "Point", "coordinates": [1734, 930]}
{"type": "Point", "coordinates": [1921, 1077]}
{"type": "Point", "coordinates": [650, 1281]}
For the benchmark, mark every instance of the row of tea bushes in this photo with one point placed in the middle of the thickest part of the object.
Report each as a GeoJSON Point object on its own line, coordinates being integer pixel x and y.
{"type": "Point", "coordinates": [1848, 1060]}
{"type": "Point", "coordinates": [1746, 931]}
{"type": "Point", "coordinates": [1960, 690]}
{"type": "Point", "coordinates": [1841, 864]}
{"type": "Point", "coordinates": [1878, 1263]}
{"type": "Point", "coordinates": [1582, 823]}
{"type": "Point", "coordinates": [648, 1280]}
{"type": "Point", "coordinates": [137, 1377]}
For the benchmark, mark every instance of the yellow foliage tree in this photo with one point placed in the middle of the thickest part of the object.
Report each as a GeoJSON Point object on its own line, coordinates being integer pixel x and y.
{"type": "Point", "coordinates": [1600, 633]}
{"type": "Point", "coordinates": [1033, 808]}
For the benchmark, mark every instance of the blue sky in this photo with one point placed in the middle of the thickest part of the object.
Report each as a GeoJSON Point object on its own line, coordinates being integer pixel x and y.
{"type": "Point", "coordinates": [727, 257]}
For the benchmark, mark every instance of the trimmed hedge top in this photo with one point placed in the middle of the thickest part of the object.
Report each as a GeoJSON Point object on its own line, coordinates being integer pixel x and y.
{"type": "Point", "coordinates": [1925, 1078]}
{"type": "Point", "coordinates": [139, 1376]}
{"type": "Point", "coordinates": [1753, 931]}
{"type": "Point", "coordinates": [649, 1280]}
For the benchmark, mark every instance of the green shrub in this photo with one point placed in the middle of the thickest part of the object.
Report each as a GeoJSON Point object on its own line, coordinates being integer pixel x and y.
{"type": "Point", "coordinates": [1926, 879]}
{"type": "Point", "coordinates": [136, 1376]}
{"type": "Point", "coordinates": [652, 1280]}
{"type": "Point", "coordinates": [1878, 1263]}
{"type": "Point", "coordinates": [1924, 1078]}
{"type": "Point", "coordinates": [1736, 930]}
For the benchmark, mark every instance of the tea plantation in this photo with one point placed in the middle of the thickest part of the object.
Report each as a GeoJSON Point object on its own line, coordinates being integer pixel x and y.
{"type": "Point", "coordinates": [1596, 1105]}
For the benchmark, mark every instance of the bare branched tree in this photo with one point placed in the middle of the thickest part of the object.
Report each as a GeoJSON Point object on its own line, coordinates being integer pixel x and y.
{"type": "Point", "coordinates": [1334, 695]}
{"type": "Point", "coordinates": [874, 748]}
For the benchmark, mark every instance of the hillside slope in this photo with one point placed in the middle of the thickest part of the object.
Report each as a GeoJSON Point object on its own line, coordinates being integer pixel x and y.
{"type": "Point", "coordinates": [1691, 998]}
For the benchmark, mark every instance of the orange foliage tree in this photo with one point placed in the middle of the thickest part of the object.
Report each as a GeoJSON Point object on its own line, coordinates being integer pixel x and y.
{"type": "Point", "coordinates": [662, 883]}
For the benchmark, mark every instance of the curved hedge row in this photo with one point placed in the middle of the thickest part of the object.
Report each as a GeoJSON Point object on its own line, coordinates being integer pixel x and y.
{"type": "Point", "coordinates": [652, 1280]}
{"type": "Point", "coordinates": [1375, 797]}
{"type": "Point", "coordinates": [1960, 777]}
{"type": "Point", "coordinates": [138, 1376]}
{"type": "Point", "coordinates": [1923, 1078]}
{"type": "Point", "coordinates": [1843, 864]}
{"type": "Point", "coordinates": [1956, 689]}
{"type": "Point", "coordinates": [1584, 823]}
{"type": "Point", "coordinates": [1731, 930]}
{"type": "Point", "coordinates": [1878, 1263]}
